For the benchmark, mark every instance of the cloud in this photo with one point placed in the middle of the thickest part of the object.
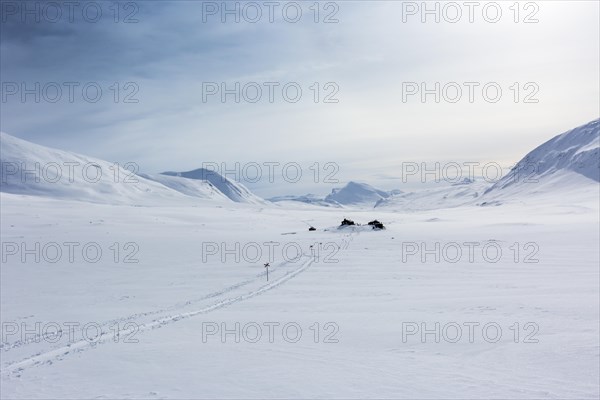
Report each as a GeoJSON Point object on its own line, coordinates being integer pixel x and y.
{"type": "Point", "coordinates": [169, 53]}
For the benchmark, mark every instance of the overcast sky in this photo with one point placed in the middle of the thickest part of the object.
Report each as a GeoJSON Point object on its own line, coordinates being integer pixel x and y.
{"type": "Point", "coordinates": [169, 59]}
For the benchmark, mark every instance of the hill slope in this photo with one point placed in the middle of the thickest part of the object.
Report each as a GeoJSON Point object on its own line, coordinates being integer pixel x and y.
{"type": "Point", "coordinates": [32, 169]}
{"type": "Point", "coordinates": [567, 163]}
{"type": "Point", "coordinates": [233, 190]}
{"type": "Point", "coordinates": [356, 193]}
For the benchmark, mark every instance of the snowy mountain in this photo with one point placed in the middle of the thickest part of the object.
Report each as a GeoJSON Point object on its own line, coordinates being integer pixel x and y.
{"type": "Point", "coordinates": [307, 199]}
{"type": "Point", "coordinates": [352, 194]}
{"type": "Point", "coordinates": [355, 193]}
{"type": "Point", "coordinates": [363, 195]}
{"type": "Point", "coordinates": [569, 162]}
{"type": "Point", "coordinates": [442, 196]}
{"type": "Point", "coordinates": [566, 165]}
{"type": "Point", "coordinates": [189, 187]}
{"type": "Point", "coordinates": [233, 190]}
{"type": "Point", "coordinates": [32, 169]}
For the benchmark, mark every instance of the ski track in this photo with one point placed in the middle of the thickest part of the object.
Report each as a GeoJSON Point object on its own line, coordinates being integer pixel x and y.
{"type": "Point", "coordinates": [6, 346]}
{"type": "Point", "coordinates": [46, 358]}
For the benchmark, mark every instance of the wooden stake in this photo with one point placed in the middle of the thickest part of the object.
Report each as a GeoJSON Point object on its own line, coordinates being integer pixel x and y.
{"type": "Point", "coordinates": [267, 267]}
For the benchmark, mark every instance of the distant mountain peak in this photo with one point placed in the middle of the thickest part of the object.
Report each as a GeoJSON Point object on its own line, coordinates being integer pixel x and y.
{"type": "Point", "coordinates": [357, 193]}
{"type": "Point", "coordinates": [233, 190]}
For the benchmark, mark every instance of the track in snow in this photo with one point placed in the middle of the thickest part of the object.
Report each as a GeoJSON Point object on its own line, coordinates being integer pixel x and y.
{"type": "Point", "coordinates": [59, 353]}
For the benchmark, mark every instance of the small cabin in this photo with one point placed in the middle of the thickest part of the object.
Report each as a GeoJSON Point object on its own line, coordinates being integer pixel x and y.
{"type": "Point", "coordinates": [376, 224]}
{"type": "Point", "coordinates": [347, 222]}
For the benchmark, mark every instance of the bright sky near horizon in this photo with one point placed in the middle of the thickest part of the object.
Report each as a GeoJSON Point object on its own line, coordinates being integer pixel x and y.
{"type": "Point", "coordinates": [367, 85]}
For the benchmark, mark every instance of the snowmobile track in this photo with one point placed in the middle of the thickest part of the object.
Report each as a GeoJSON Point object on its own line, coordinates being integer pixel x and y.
{"type": "Point", "coordinates": [60, 353]}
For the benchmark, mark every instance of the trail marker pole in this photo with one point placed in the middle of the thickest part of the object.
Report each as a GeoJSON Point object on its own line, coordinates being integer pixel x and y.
{"type": "Point", "coordinates": [267, 267]}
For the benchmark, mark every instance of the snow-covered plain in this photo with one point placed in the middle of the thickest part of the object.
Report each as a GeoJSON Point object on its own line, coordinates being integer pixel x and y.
{"type": "Point", "coordinates": [361, 298]}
